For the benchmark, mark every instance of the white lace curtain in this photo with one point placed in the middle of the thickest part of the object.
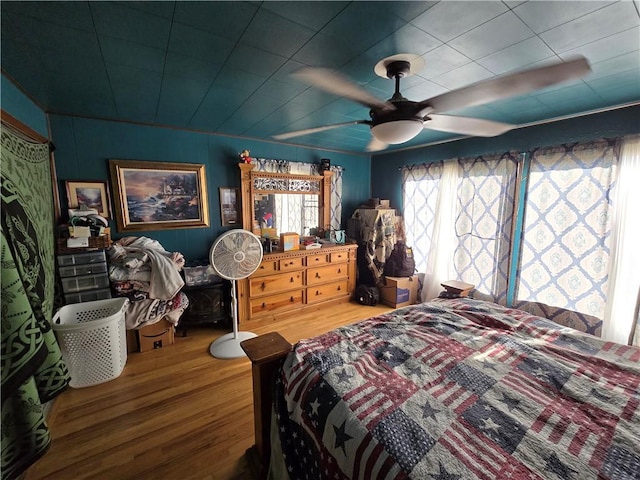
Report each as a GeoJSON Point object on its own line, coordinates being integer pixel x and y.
{"type": "Point", "coordinates": [458, 216]}
{"type": "Point", "coordinates": [301, 168]}
{"type": "Point", "coordinates": [621, 313]}
{"type": "Point", "coordinates": [579, 260]}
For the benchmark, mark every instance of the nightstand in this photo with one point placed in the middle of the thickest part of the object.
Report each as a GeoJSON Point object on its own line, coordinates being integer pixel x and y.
{"type": "Point", "coordinates": [209, 305]}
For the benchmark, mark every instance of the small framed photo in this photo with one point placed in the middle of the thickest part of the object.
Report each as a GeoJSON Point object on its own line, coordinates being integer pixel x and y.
{"type": "Point", "coordinates": [93, 194]}
{"type": "Point", "coordinates": [229, 206]}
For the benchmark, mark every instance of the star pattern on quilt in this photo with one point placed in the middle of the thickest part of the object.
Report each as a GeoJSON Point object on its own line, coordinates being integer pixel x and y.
{"type": "Point", "coordinates": [554, 465]}
{"type": "Point", "coordinates": [414, 371]}
{"type": "Point", "coordinates": [314, 406]}
{"type": "Point", "coordinates": [342, 437]}
{"type": "Point", "coordinates": [343, 376]}
{"type": "Point", "coordinates": [490, 425]}
{"type": "Point", "coordinates": [443, 474]}
{"type": "Point", "coordinates": [511, 403]}
{"type": "Point", "coordinates": [489, 365]}
{"type": "Point", "coordinates": [429, 411]}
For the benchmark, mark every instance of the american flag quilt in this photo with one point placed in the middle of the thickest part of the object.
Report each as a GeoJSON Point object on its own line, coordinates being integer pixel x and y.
{"type": "Point", "coordinates": [459, 389]}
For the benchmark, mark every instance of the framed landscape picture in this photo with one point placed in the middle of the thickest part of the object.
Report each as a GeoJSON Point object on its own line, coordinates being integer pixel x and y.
{"type": "Point", "coordinates": [159, 195]}
{"type": "Point", "coordinates": [90, 193]}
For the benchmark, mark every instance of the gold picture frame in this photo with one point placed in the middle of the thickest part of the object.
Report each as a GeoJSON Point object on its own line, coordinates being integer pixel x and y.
{"type": "Point", "coordinates": [229, 204]}
{"type": "Point", "coordinates": [159, 195]}
{"type": "Point", "coordinates": [91, 193]}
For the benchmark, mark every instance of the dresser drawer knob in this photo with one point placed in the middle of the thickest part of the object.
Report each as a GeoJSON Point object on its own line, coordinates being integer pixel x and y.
{"type": "Point", "coordinates": [263, 286]}
{"type": "Point", "coordinates": [291, 280]}
{"type": "Point", "coordinates": [317, 293]}
{"type": "Point", "coordinates": [264, 305]}
{"type": "Point", "coordinates": [339, 270]}
{"type": "Point", "coordinates": [339, 288]}
{"type": "Point", "coordinates": [317, 275]}
{"type": "Point", "coordinates": [291, 299]}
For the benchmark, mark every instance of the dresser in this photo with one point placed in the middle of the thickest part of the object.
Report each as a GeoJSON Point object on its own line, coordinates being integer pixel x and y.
{"type": "Point", "coordinates": [287, 283]}
{"type": "Point", "coordinates": [84, 276]}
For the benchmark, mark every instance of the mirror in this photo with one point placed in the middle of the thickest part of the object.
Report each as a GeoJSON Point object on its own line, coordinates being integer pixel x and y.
{"type": "Point", "coordinates": [286, 212]}
{"type": "Point", "coordinates": [285, 202]}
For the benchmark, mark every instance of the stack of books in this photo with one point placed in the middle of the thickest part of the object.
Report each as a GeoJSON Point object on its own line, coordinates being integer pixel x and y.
{"type": "Point", "coordinates": [456, 289]}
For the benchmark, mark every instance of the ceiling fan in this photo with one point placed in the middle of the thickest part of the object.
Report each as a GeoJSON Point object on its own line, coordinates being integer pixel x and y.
{"type": "Point", "coordinates": [398, 119]}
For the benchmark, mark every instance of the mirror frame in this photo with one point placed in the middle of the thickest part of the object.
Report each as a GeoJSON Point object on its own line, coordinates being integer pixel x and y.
{"type": "Point", "coordinates": [248, 192]}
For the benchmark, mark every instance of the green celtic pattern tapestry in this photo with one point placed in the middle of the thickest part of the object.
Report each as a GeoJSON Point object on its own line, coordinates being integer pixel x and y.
{"type": "Point", "coordinates": [33, 371]}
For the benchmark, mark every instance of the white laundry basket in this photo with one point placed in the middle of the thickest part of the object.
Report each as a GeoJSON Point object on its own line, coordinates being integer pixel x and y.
{"type": "Point", "coordinates": [93, 340]}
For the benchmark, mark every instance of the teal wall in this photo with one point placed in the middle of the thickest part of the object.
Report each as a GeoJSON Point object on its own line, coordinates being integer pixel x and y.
{"type": "Point", "coordinates": [84, 146]}
{"type": "Point", "coordinates": [386, 179]}
{"type": "Point", "coordinates": [20, 106]}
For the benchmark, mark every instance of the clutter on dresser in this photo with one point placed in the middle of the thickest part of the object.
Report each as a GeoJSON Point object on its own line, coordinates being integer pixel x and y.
{"type": "Point", "coordinates": [149, 276]}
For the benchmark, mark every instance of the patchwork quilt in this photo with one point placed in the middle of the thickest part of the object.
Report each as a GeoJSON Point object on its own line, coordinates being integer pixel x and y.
{"type": "Point", "coordinates": [458, 389]}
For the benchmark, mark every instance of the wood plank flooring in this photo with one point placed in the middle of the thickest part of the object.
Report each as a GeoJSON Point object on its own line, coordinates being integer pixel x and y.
{"type": "Point", "coordinates": [174, 413]}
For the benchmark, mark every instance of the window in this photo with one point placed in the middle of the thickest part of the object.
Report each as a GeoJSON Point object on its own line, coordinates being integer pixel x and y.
{"type": "Point", "coordinates": [458, 217]}
{"type": "Point", "coordinates": [567, 228]}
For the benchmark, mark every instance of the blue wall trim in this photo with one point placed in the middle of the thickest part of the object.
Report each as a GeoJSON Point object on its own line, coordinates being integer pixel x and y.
{"type": "Point", "coordinates": [386, 178]}
{"type": "Point", "coordinates": [17, 104]}
{"type": "Point", "coordinates": [84, 147]}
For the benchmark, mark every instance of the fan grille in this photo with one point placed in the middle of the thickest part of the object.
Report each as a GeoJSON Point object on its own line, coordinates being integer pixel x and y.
{"type": "Point", "coordinates": [236, 254]}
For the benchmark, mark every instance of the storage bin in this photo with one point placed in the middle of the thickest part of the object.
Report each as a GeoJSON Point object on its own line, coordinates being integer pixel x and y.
{"type": "Point", "coordinates": [85, 282]}
{"type": "Point", "coordinates": [200, 275]}
{"type": "Point", "coordinates": [92, 338]}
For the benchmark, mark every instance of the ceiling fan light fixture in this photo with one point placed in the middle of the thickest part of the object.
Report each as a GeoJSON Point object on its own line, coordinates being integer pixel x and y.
{"type": "Point", "coordinates": [397, 131]}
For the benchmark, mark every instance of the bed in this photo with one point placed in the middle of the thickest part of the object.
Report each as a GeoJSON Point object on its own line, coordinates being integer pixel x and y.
{"type": "Point", "coordinates": [450, 389]}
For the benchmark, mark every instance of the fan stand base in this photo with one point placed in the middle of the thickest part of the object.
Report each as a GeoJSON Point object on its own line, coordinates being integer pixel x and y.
{"type": "Point", "coordinates": [229, 347]}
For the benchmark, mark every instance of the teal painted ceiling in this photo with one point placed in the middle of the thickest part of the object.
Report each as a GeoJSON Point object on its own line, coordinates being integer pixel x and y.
{"type": "Point", "coordinates": [224, 67]}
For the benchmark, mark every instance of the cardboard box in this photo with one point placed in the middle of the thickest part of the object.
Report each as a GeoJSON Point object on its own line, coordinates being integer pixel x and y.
{"type": "Point", "coordinates": [269, 233]}
{"type": "Point", "coordinates": [289, 241]}
{"type": "Point", "coordinates": [150, 337]}
{"type": "Point", "coordinates": [399, 291]}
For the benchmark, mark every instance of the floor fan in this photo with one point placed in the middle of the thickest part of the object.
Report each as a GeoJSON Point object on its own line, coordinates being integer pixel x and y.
{"type": "Point", "coordinates": [235, 255]}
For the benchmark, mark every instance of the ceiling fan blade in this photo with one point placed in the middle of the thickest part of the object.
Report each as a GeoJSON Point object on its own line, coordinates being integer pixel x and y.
{"type": "Point", "coordinates": [506, 86]}
{"type": "Point", "coordinates": [333, 82]}
{"type": "Point", "coordinates": [375, 145]}
{"type": "Point", "coordinates": [468, 126]}
{"type": "Point", "coordinates": [307, 131]}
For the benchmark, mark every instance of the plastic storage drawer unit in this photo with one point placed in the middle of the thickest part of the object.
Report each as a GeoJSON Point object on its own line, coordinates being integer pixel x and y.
{"type": "Point", "coordinates": [88, 269]}
{"type": "Point", "coordinates": [84, 276]}
{"type": "Point", "coordinates": [84, 282]}
{"type": "Point", "coordinates": [81, 258]}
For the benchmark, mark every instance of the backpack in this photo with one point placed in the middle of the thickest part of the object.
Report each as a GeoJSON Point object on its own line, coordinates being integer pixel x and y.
{"type": "Point", "coordinates": [401, 262]}
{"type": "Point", "coordinates": [366, 295]}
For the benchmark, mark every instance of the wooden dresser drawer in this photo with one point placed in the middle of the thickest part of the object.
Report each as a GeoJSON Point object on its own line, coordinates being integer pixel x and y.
{"type": "Point", "coordinates": [294, 263]}
{"type": "Point", "coordinates": [326, 274]}
{"type": "Point", "coordinates": [267, 267]}
{"type": "Point", "coordinates": [339, 257]}
{"type": "Point", "coordinates": [317, 259]}
{"type": "Point", "coordinates": [325, 292]}
{"type": "Point", "coordinates": [274, 303]}
{"type": "Point", "coordinates": [274, 283]}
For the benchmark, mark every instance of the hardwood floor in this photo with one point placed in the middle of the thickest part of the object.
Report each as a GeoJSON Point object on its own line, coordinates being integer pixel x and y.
{"type": "Point", "coordinates": [174, 413]}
